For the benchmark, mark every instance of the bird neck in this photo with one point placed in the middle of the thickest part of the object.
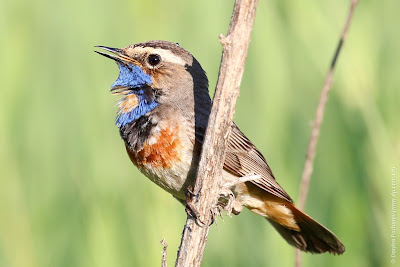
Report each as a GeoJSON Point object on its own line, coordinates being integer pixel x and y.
{"type": "Point", "coordinates": [135, 105]}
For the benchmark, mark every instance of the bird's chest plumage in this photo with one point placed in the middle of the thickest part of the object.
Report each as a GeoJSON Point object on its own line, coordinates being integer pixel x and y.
{"type": "Point", "coordinates": [161, 150]}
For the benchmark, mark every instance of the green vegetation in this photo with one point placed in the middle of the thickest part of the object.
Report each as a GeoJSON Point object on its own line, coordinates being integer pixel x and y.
{"type": "Point", "coordinates": [69, 195]}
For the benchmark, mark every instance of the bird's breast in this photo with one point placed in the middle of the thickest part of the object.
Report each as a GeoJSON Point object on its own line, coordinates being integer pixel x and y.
{"type": "Point", "coordinates": [165, 158]}
{"type": "Point", "coordinates": [161, 150]}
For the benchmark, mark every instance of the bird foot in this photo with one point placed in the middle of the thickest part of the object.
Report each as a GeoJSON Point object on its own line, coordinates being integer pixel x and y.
{"type": "Point", "coordinates": [190, 208]}
{"type": "Point", "coordinates": [229, 202]}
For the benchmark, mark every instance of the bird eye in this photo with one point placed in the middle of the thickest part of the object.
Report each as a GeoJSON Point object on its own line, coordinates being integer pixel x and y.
{"type": "Point", "coordinates": [154, 59]}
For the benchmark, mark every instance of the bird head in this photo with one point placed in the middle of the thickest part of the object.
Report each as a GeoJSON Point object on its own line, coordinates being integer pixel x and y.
{"type": "Point", "coordinates": [154, 74]}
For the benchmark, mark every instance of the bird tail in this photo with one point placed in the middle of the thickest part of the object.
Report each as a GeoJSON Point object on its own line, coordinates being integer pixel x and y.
{"type": "Point", "coordinates": [311, 236]}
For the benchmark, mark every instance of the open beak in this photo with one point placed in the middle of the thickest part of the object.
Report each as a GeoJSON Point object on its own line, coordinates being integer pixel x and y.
{"type": "Point", "coordinates": [118, 56]}
{"type": "Point", "coordinates": [131, 75]}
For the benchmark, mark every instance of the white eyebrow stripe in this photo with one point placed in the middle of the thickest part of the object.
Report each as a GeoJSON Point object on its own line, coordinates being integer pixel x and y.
{"type": "Point", "coordinates": [166, 55]}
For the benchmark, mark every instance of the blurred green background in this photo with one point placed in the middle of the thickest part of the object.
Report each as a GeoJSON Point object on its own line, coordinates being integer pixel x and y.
{"type": "Point", "coordinates": [69, 195]}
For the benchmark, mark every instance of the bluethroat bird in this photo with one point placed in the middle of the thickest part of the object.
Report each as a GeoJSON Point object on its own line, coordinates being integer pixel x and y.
{"type": "Point", "coordinates": [162, 117]}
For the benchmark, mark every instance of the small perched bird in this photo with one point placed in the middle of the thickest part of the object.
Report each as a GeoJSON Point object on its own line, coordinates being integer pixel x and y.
{"type": "Point", "coordinates": [162, 117]}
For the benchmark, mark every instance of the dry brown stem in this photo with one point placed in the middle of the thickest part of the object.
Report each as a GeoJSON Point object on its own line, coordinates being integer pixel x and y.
{"type": "Point", "coordinates": [208, 186]}
{"type": "Point", "coordinates": [164, 253]}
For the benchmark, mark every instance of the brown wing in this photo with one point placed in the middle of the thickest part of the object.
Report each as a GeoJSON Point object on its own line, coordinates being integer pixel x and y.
{"type": "Point", "coordinates": [242, 158]}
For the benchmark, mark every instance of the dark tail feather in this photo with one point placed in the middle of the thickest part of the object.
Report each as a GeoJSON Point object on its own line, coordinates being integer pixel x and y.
{"type": "Point", "coordinates": [312, 237]}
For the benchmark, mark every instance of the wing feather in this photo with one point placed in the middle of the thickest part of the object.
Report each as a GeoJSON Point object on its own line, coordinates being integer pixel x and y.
{"type": "Point", "coordinates": [243, 158]}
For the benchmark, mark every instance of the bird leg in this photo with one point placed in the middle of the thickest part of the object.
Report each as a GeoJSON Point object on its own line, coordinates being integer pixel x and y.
{"type": "Point", "coordinates": [190, 208]}
{"type": "Point", "coordinates": [228, 201]}
{"type": "Point", "coordinates": [247, 178]}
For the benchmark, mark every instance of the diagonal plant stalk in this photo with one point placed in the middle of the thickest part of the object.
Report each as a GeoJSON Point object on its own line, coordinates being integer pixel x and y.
{"type": "Point", "coordinates": [319, 115]}
{"type": "Point", "coordinates": [207, 188]}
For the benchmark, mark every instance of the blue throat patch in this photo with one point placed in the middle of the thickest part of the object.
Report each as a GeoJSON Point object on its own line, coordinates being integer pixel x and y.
{"type": "Point", "coordinates": [132, 76]}
{"type": "Point", "coordinates": [142, 108]}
